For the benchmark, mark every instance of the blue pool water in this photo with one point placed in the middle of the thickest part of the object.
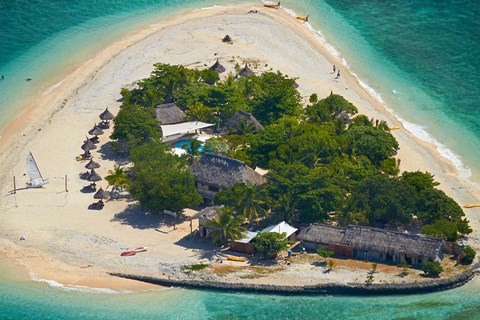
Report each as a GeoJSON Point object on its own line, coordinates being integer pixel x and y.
{"type": "Point", "coordinates": [182, 144]}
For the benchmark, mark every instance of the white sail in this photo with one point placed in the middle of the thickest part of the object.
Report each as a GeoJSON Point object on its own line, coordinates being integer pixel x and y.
{"type": "Point", "coordinates": [36, 179]}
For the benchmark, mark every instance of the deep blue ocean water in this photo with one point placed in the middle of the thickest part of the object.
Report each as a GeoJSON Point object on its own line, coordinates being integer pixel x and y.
{"type": "Point", "coordinates": [421, 57]}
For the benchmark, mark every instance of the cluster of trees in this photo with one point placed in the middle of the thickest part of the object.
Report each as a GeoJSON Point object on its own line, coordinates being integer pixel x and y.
{"type": "Point", "coordinates": [325, 162]}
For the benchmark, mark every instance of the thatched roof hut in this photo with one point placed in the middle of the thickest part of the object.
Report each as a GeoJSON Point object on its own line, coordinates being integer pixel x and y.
{"type": "Point", "coordinates": [246, 71]}
{"type": "Point", "coordinates": [106, 115]}
{"type": "Point", "coordinates": [93, 176]}
{"type": "Point", "coordinates": [343, 115]}
{"type": "Point", "coordinates": [169, 113]}
{"type": "Point", "coordinates": [92, 165]}
{"type": "Point", "coordinates": [382, 244]}
{"type": "Point", "coordinates": [207, 213]}
{"type": "Point", "coordinates": [223, 172]}
{"type": "Point", "coordinates": [235, 121]}
{"type": "Point", "coordinates": [100, 194]}
{"type": "Point", "coordinates": [217, 66]}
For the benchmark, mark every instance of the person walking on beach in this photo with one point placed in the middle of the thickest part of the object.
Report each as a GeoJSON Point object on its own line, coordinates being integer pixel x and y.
{"type": "Point", "coordinates": [338, 75]}
{"type": "Point", "coordinates": [334, 69]}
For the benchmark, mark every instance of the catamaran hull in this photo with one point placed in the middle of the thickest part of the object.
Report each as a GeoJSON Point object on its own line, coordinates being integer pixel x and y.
{"type": "Point", "coordinates": [38, 183]}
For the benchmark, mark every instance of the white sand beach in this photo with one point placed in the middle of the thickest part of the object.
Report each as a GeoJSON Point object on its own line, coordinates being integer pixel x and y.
{"type": "Point", "coordinates": [72, 245]}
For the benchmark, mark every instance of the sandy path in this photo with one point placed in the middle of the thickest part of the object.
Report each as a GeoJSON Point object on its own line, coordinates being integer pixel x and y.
{"type": "Point", "coordinates": [62, 235]}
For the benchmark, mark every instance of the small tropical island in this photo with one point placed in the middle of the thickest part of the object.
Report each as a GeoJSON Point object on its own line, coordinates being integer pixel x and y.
{"type": "Point", "coordinates": [229, 165]}
{"type": "Point", "coordinates": [327, 185]}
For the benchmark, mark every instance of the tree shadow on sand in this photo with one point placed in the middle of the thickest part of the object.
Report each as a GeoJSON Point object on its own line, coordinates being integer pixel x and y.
{"type": "Point", "coordinates": [204, 248]}
{"type": "Point", "coordinates": [138, 219]}
{"type": "Point", "coordinates": [107, 152]}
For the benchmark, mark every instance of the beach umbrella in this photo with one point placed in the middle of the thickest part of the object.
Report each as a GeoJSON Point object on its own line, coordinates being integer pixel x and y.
{"type": "Point", "coordinates": [217, 67]}
{"type": "Point", "coordinates": [92, 165]}
{"type": "Point", "coordinates": [100, 194]}
{"type": "Point", "coordinates": [96, 131]}
{"type": "Point", "coordinates": [106, 115]}
{"type": "Point", "coordinates": [246, 71]}
{"type": "Point", "coordinates": [93, 176]}
{"type": "Point", "coordinates": [88, 145]}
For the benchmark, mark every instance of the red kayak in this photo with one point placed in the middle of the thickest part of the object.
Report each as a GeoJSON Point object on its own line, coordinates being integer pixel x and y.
{"type": "Point", "coordinates": [128, 253]}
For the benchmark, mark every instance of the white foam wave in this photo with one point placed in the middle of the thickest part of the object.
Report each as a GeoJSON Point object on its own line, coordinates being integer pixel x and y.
{"type": "Point", "coordinates": [55, 284]}
{"type": "Point", "coordinates": [370, 90]}
{"type": "Point", "coordinates": [211, 7]}
{"type": "Point", "coordinates": [52, 87]}
{"type": "Point", "coordinates": [419, 132]}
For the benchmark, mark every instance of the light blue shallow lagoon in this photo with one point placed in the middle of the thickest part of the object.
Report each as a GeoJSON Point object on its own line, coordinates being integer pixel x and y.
{"type": "Point", "coordinates": [419, 56]}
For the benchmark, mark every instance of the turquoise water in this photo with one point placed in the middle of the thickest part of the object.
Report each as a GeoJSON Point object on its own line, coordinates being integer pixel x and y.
{"type": "Point", "coordinates": [420, 57]}
{"type": "Point", "coordinates": [22, 299]}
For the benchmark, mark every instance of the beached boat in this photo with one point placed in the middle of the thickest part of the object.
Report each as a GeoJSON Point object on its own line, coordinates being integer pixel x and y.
{"type": "Point", "coordinates": [272, 6]}
{"type": "Point", "coordinates": [128, 253]}
{"type": "Point", "coordinates": [393, 128]}
{"type": "Point", "coordinates": [36, 179]}
{"type": "Point", "coordinates": [475, 205]}
{"type": "Point", "coordinates": [234, 258]}
{"type": "Point", "coordinates": [141, 249]}
{"type": "Point", "coordinates": [303, 18]}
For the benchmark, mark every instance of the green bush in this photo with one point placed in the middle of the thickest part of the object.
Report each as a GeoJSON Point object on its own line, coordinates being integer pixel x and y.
{"type": "Point", "coordinates": [470, 255]}
{"type": "Point", "coordinates": [195, 267]}
{"type": "Point", "coordinates": [432, 269]}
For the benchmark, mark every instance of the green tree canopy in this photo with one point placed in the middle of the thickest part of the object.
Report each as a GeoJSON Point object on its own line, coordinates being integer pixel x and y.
{"type": "Point", "coordinates": [135, 125]}
{"type": "Point", "coordinates": [327, 109]}
{"type": "Point", "coordinates": [274, 95]}
{"type": "Point", "coordinates": [271, 243]}
{"type": "Point", "coordinates": [161, 181]}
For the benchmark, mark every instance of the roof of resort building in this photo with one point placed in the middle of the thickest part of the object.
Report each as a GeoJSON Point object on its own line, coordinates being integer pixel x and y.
{"type": "Point", "coordinates": [280, 228]}
{"type": "Point", "coordinates": [235, 122]}
{"type": "Point", "coordinates": [246, 71]}
{"type": "Point", "coordinates": [208, 213]}
{"type": "Point", "coordinates": [366, 238]}
{"type": "Point", "coordinates": [343, 115]}
{"type": "Point", "coordinates": [169, 113]}
{"type": "Point", "coordinates": [223, 172]}
{"type": "Point", "coordinates": [248, 237]}
{"type": "Point", "coordinates": [217, 66]}
{"type": "Point", "coordinates": [191, 126]}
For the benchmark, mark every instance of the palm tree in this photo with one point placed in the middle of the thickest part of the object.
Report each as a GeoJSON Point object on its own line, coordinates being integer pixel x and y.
{"type": "Point", "coordinates": [226, 227]}
{"type": "Point", "coordinates": [199, 112]}
{"type": "Point", "coordinates": [117, 177]}
{"type": "Point", "coordinates": [192, 150]}
{"type": "Point", "coordinates": [245, 127]}
{"type": "Point", "coordinates": [252, 204]}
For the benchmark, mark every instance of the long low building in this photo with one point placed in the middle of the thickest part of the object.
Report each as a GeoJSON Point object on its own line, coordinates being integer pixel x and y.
{"type": "Point", "coordinates": [373, 244]}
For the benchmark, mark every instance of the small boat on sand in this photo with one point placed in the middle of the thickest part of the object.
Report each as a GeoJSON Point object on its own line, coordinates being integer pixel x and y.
{"type": "Point", "coordinates": [393, 128]}
{"type": "Point", "coordinates": [128, 253]}
{"type": "Point", "coordinates": [272, 6]}
{"type": "Point", "coordinates": [468, 206]}
{"type": "Point", "coordinates": [303, 18]}
{"type": "Point", "coordinates": [141, 249]}
{"type": "Point", "coordinates": [234, 258]}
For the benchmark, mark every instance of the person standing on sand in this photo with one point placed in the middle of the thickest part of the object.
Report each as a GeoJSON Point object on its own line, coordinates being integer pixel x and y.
{"type": "Point", "coordinates": [334, 69]}
{"type": "Point", "coordinates": [338, 75]}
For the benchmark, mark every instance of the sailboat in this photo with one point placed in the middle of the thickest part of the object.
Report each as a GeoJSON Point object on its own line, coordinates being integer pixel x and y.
{"type": "Point", "coordinates": [36, 179]}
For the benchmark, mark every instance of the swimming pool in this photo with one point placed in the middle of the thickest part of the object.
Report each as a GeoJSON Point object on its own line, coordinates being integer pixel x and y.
{"type": "Point", "coordinates": [182, 144]}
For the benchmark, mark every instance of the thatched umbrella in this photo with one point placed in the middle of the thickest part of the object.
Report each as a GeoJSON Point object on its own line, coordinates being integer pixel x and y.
{"type": "Point", "coordinates": [218, 67]}
{"type": "Point", "coordinates": [106, 116]}
{"type": "Point", "coordinates": [100, 194]}
{"type": "Point", "coordinates": [88, 145]}
{"type": "Point", "coordinates": [96, 131]}
{"type": "Point", "coordinates": [92, 165]}
{"type": "Point", "coordinates": [246, 71]}
{"type": "Point", "coordinates": [93, 177]}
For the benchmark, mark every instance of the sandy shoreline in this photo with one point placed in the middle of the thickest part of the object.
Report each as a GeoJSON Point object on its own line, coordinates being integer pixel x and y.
{"type": "Point", "coordinates": [54, 127]}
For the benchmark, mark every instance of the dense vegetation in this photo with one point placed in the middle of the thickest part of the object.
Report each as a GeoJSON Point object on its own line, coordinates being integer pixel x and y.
{"type": "Point", "coordinates": [326, 163]}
